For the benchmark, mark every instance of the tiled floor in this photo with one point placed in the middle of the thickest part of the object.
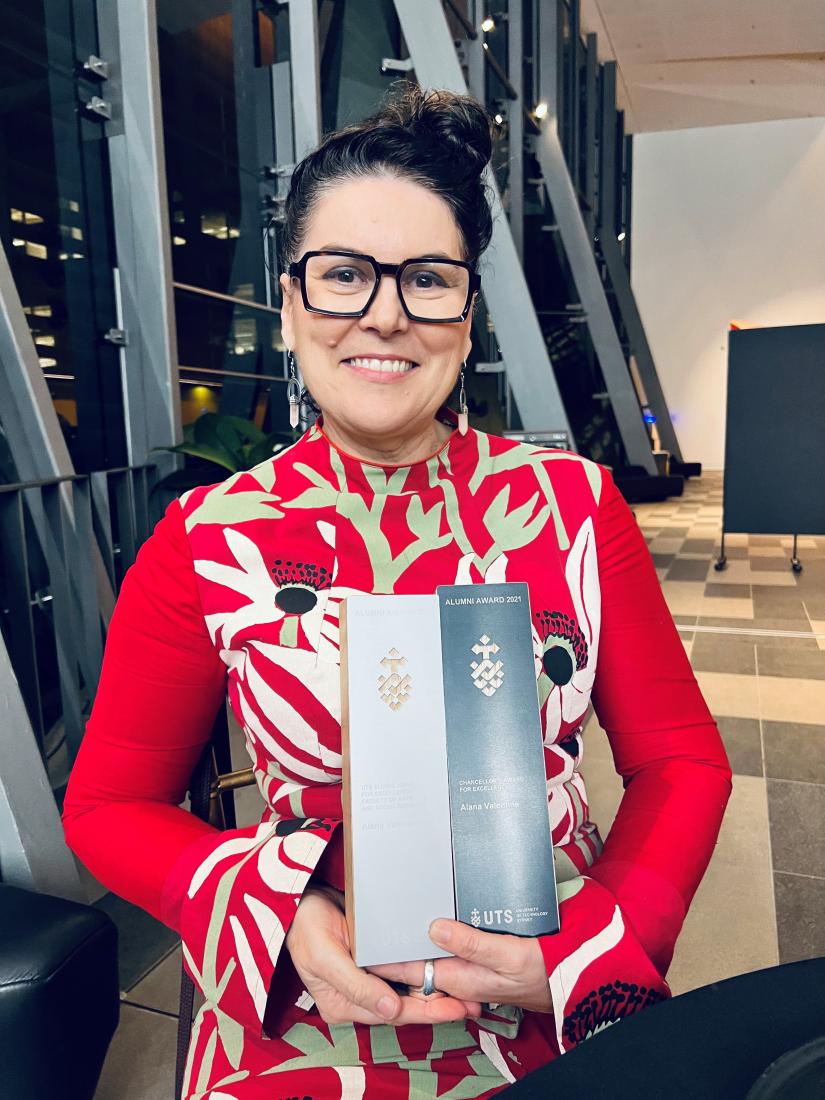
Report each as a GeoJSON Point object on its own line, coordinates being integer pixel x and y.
{"type": "Point", "coordinates": [755, 633]}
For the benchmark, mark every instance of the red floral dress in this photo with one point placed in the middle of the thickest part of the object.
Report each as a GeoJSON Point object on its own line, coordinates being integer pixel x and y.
{"type": "Point", "coordinates": [239, 590]}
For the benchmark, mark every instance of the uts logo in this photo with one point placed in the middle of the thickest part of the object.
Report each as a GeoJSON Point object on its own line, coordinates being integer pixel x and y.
{"type": "Point", "coordinates": [394, 688]}
{"type": "Point", "coordinates": [487, 675]}
{"type": "Point", "coordinates": [490, 917]}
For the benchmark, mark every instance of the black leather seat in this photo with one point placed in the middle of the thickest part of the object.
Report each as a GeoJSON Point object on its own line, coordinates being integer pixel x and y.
{"type": "Point", "coordinates": [709, 1044]}
{"type": "Point", "coordinates": [59, 996]}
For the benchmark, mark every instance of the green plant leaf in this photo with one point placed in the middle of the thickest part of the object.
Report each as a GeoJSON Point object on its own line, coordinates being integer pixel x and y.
{"type": "Point", "coordinates": [267, 447]}
{"type": "Point", "coordinates": [218, 455]}
{"type": "Point", "coordinates": [247, 429]}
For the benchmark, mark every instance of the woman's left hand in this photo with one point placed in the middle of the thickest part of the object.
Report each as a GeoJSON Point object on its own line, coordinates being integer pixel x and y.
{"type": "Point", "coordinates": [488, 967]}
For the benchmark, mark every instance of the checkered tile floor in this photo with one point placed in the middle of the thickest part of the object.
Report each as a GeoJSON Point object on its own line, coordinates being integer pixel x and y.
{"type": "Point", "coordinates": [755, 634]}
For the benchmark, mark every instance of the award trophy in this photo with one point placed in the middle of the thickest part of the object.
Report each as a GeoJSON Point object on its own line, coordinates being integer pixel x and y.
{"type": "Point", "coordinates": [444, 788]}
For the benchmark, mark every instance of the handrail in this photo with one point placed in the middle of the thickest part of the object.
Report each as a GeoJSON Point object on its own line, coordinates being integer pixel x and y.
{"type": "Point", "coordinates": [201, 291]}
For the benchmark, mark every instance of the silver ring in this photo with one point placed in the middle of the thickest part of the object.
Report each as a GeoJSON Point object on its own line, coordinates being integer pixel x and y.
{"type": "Point", "coordinates": [429, 978]}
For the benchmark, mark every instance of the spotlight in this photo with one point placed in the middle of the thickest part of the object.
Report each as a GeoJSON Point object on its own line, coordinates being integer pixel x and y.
{"type": "Point", "coordinates": [498, 119]}
{"type": "Point", "coordinates": [488, 24]}
{"type": "Point", "coordinates": [622, 236]}
{"type": "Point", "coordinates": [540, 110]}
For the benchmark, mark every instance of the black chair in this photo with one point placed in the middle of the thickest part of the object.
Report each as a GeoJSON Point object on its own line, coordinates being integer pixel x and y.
{"type": "Point", "coordinates": [713, 1043]}
{"type": "Point", "coordinates": [59, 995]}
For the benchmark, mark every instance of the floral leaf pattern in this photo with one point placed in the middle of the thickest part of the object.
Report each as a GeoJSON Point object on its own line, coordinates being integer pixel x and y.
{"type": "Point", "coordinates": [276, 550]}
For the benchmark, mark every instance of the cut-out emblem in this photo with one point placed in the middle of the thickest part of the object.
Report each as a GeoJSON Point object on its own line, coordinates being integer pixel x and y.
{"type": "Point", "coordinates": [394, 688]}
{"type": "Point", "coordinates": [488, 676]}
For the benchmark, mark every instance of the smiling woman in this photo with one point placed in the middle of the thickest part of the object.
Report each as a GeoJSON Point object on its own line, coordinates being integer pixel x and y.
{"type": "Point", "coordinates": [392, 303]}
{"type": "Point", "coordinates": [238, 593]}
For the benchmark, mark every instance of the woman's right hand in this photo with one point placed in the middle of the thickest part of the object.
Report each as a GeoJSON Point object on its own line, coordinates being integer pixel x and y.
{"type": "Point", "coordinates": [318, 941]}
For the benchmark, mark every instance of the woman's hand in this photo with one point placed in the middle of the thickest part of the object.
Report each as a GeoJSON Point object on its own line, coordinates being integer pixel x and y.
{"type": "Point", "coordinates": [318, 942]}
{"type": "Point", "coordinates": [489, 967]}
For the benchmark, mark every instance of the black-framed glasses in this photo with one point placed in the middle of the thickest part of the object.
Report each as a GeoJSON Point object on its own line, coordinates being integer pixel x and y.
{"type": "Point", "coordinates": [344, 284]}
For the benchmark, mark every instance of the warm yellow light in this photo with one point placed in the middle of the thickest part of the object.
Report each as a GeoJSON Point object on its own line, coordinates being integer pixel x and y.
{"type": "Point", "coordinates": [488, 24]}
{"type": "Point", "coordinates": [46, 362]}
{"type": "Point", "coordinates": [44, 341]}
{"type": "Point", "coordinates": [540, 110]}
{"type": "Point", "coordinates": [179, 240]}
{"type": "Point", "coordinates": [39, 251]}
{"type": "Point", "coordinates": [24, 216]}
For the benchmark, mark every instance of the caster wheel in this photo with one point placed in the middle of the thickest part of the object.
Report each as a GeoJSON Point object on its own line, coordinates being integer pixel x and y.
{"type": "Point", "coordinates": [796, 566]}
{"type": "Point", "coordinates": [720, 565]}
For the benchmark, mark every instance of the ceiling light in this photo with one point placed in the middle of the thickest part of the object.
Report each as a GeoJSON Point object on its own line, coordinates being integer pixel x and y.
{"type": "Point", "coordinates": [622, 235]}
{"type": "Point", "coordinates": [499, 119]}
{"type": "Point", "coordinates": [488, 24]}
{"type": "Point", "coordinates": [540, 110]}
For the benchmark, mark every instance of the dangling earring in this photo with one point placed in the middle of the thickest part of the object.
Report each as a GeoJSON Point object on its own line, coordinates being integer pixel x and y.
{"type": "Point", "coordinates": [293, 392]}
{"type": "Point", "coordinates": [462, 404]}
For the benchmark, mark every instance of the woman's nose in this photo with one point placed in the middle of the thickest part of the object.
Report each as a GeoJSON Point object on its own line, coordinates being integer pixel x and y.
{"type": "Point", "coordinates": [386, 314]}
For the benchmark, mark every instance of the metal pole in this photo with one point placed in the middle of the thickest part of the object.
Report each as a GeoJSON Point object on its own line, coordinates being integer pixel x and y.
{"type": "Point", "coordinates": [578, 249]}
{"type": "Point", "coordinates": [306, 88]}
{"type": "Point", "coordinates": [505, 288]}
{"type": "Point", "coordinates": [515, 123]}
{"type": "Point", "coordinates": [617, 269]}
{"type": "Point", "coordinates": [128, 40]}
{"type": "Point", "coordinates": [33, 853]}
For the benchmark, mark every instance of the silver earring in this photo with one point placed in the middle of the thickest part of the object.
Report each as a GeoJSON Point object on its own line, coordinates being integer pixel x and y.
{"type": "Point", "coordinates": [462, 404]}
{"type": "Point", "coordinates": [293, 392]}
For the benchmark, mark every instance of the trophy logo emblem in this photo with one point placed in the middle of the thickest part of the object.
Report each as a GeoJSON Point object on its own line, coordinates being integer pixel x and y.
{"type": "Point", "coordinates": [394, 688]}
{"type": "Point", "coordinates": [488, 676]}
{"type": "Point", "coordinates": [475, 917]}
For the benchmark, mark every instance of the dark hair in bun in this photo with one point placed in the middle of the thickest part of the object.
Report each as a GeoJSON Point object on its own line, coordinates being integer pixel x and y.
{"type": "Point", "coordinates": [438, 139]}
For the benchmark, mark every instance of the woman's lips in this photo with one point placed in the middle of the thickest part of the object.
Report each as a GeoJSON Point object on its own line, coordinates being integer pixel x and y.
{"type": "Point", "coordinates": [392, 370]}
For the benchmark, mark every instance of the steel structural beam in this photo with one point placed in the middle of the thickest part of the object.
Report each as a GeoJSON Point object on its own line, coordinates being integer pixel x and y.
{"type": "Point", "coordinates": [619, 275]}
{"type": "Point", "coordinates": [506, 293]}
{"type": "Point", "coordinates": [29, 420]}
{"type": "Point", "coordinates": [33, 853]}
{"type": "Point", "coordinates": [579, 251]}
{"type": "Point", "coordinates": [306, 82]}
{"type": "Point", "coordinates": [31, 426]}
{"type": "Point", "coordinates": [151, 394]}
{"type": "Point", "coordinates": [515, 123]}
{"type": "Point", "coordinates": [31, 837]}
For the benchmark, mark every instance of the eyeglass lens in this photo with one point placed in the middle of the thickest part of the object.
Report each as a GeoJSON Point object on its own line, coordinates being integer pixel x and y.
{"type": "Point", "coordinates": [343, 284]}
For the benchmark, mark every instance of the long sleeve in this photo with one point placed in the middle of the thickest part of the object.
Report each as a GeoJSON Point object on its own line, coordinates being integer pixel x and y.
{"type": "Point", "coordinates": [231, 895]}
{"type": "Point", "coordinates": [160, 687]}
{"type": "Point", "coordinates": [619, 927]}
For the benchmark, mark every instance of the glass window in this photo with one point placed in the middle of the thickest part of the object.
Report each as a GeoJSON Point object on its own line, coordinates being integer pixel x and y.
{"type": "Point", "coordinates": [55, 218]}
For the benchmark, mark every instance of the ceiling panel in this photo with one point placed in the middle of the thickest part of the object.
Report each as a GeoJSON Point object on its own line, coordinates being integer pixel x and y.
{"type": "Point", "coordinates": [685, 63]}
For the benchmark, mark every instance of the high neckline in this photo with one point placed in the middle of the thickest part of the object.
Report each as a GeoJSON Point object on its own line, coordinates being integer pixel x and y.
{"type": "Point", "coordinates": [403, 477]}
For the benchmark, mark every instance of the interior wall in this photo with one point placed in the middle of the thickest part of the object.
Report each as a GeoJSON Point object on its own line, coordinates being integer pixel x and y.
{"type": "Point", "coordinates": [728, 225]}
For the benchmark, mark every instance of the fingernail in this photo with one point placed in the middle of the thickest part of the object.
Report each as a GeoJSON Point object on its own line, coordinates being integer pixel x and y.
{"type": "Point", "coordinates": [386, 1007]}
{"type": "Point", "coordinates": [440, 933]}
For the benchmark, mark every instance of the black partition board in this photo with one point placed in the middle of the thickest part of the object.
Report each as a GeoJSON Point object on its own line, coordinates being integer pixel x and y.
{"type": "Point", "coordinates": [775, 438]}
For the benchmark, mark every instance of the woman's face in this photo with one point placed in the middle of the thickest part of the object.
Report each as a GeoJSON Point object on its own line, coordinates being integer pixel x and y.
{"type": "Point", "coordinates": [392, 220]}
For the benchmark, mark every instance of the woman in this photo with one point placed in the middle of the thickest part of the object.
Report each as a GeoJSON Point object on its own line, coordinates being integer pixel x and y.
{"type": "Point", "coordinates": [239, 589]}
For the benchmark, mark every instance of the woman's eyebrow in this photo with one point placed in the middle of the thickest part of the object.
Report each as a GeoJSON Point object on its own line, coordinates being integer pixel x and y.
{"type": "Point", "coordinates": [435, 253]}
